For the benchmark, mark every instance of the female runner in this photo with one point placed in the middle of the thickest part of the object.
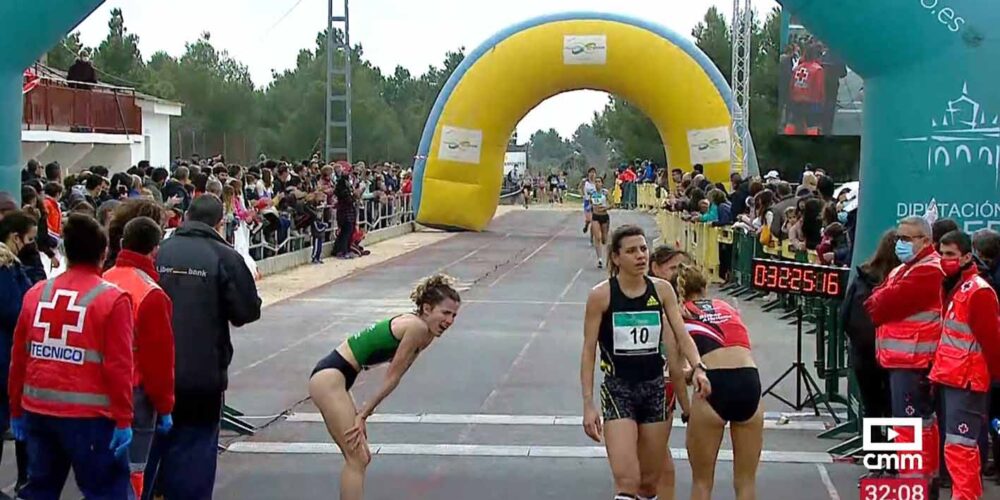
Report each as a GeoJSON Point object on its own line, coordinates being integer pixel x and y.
{"type": "Point", "coordinates": [586, 189]}
{"type": "Point", "coordinates": [724, 343]}
{"type": "Point", "coordinates": [397, 340]}
{"type": "Point", "coordinates": [664, 263]}
{"type": "Point", "coordinates": [600, 221]}
{"type": "Point", "coordinates": [624, 318]}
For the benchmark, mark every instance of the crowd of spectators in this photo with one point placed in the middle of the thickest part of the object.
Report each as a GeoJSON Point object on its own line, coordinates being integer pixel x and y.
{"type": "Point", "coordinates": [271, 207]}
{"type": "Point", "coordinates": [812, 214]}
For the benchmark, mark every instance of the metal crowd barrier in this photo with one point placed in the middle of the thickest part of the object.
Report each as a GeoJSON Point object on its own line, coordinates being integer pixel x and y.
{"type": "Point", "coordinates": [832, 361]}
{"type": "Point", "coordinates": [268, 240]}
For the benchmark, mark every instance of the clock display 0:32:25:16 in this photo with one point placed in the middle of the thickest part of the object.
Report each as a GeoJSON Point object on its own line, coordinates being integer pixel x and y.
{"type": "Point", "coordinates": [799, 279]}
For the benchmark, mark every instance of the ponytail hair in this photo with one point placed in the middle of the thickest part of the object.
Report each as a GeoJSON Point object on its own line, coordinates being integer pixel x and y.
{"type": "Point", "coordinates": [434, 290]}
{"type": "Point", "coordinates": [690, 281]}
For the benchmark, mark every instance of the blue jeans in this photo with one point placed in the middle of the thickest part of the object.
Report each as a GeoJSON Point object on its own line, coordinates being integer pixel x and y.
{"type": "Point", "coordinates": [182, 463]}
{"type": "Point", "coordinates": [55, 444]}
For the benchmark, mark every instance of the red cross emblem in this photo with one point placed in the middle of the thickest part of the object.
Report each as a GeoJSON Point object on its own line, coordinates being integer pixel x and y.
{"type": "Point", "coordinates": [60, 317]}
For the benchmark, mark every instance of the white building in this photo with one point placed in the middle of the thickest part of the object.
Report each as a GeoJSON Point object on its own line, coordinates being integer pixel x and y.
{"type": "Point", "coordinates": [99, 125]}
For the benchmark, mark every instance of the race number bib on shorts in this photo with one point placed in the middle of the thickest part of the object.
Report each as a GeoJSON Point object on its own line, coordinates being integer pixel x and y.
{"type": "Point", "coordinates": [636, 333]}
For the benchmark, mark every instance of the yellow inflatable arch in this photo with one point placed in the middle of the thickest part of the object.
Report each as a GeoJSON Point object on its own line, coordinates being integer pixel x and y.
{"type": "Point", "coordinates": [459, 169]}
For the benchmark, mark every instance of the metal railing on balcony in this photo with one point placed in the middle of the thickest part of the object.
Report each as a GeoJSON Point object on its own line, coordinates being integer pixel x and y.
{"type": "Point", "coordinates": [81, 107]}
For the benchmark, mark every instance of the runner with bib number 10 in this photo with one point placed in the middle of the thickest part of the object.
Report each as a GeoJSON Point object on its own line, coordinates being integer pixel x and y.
{"type": "Point", "coordinates": [636, 323]}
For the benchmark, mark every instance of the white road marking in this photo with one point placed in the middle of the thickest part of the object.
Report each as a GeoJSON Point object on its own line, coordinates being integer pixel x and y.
{"type": "Point", "coordinates": [499, 419]}
{"type": "Point", "coordinates": [830, 488]}
{"type": "Point", "coordinates": [488, 450]}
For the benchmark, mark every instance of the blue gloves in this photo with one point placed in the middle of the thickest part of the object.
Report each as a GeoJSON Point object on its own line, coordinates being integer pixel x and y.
{"type": "Point", "coordinates": [166, 422]}
{"type": "Point", "coordinates": [17, 428]}
{"type": "Point", "coordinates": [120, 441]}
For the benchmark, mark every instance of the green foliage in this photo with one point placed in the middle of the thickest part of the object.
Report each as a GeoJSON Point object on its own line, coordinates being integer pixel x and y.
{"type": "Point", "coordinates": [118, 56]}
{"type": "Point", "coordinates": [225, 113]}
{"type": "Point", "coordinates": [632, 135]}
{"type": "Point", "coordinates": [63, 55]}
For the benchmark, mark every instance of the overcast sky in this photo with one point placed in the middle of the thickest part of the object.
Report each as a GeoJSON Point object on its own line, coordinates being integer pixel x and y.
{"type": "Point", "coordinates": [268, 34]}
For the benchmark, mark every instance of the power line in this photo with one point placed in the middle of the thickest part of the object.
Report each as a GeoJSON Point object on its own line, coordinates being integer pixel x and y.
{"type": "Point", "coordinates": [282, 18]}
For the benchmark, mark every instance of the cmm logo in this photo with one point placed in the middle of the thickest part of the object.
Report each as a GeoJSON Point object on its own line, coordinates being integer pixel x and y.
{"type": "Point", "coordinates": [892, 461]}
{"type": "Point", "coordinates": [964, 135]}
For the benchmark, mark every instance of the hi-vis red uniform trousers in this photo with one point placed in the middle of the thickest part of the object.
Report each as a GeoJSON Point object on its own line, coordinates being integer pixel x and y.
{"type": "Point", "coordinates": [961, 370]}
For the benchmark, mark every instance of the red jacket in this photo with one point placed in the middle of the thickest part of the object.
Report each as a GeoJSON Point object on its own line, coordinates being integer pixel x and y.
{"type": "Point", "coordinates": [906, 311]}
{"type": "Point", "coordinates": [808, 83]}
{"type": "Point", "coordinates": [72, 351]}
{"type": "Point", "coordinates": [973, 311]}
{"type": "Point", "coordinates": [154, 336]}
{"type": "Point", "coordinates": [913, 292]}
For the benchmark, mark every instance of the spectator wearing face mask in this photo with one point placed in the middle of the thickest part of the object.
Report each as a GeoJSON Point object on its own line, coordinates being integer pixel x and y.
{"type": "Point", "coordinates": [907, 313]}
{"type": "Point", "coordinates": [17, 230]}
{"type": "Point", "coordinates": [968, 353]}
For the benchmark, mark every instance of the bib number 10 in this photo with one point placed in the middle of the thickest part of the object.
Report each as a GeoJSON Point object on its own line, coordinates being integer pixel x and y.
{"type": "Point", "coordinates": [640, 335]}
{"type": "Point", "coordinates": [636, 333]}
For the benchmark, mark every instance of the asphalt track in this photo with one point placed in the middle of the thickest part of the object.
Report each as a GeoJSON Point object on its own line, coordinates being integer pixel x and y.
{"type": "Point", "coordinates": [491, 410]}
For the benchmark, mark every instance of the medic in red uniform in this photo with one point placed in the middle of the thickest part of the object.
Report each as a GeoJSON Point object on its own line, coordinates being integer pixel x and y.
{"type": "Point", "coordinates": [153, 380]}
{"type": "Point", "coordinates": [807, 94]}
{"type": "Point", "coordinates": [70, 380]}
{"type": "Point", "coordinates": [906, 311]}
{"type": "Point", "coordinates": [968, 352]}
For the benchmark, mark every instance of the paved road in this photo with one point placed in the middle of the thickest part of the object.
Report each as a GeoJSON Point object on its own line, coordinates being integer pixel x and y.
{"type": "Point", "coordinates": [488, 411]}
{"type": "Point", "coordinates": [491, 410]}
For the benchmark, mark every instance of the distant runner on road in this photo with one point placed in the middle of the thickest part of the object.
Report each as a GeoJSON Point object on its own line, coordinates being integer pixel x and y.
{"type": "Point", "coordinates": [397, 341]}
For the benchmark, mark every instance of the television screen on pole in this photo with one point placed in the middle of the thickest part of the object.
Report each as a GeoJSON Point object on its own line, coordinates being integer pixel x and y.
{"type": "Point", "coordinates": [817, 93]}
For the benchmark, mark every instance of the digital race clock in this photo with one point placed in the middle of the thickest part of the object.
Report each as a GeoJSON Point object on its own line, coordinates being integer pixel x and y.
{"type": "Point", "coordinates": [796, 278]}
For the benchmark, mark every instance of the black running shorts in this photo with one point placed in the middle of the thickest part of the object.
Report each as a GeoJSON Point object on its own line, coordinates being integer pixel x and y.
{"type": "Point", "coordinates": [644, 402]}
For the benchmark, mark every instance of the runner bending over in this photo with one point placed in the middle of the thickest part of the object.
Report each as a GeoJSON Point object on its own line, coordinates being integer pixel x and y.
{"type": "Point", "coordinates": [397, 340]}
{"type": "Point", "coordinates": [600, 220]}
{"type": "Point", "coordinates": [664, 263]}
{"type": "Point", "coordinates": [625, 319]}
{"type": "Point", "coordinates": [724, 343]}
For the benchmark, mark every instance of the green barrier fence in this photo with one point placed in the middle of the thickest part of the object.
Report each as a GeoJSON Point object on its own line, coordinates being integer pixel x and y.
{"type": "Point", "coordinates": [832, 363]}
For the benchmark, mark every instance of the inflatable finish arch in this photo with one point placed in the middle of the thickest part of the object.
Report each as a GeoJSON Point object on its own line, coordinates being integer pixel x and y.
{"type": "Point", "coordinates": [931, 126]}
{"type": "Point", "coordinates": [27, 30]}
{"type": "Point", "coordinates": [459, 167]}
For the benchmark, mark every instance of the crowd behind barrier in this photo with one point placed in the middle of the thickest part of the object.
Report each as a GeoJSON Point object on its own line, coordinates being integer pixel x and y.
{"type": "Point", "coordinates": [708, 243]}
{"type": "Point", "coordinates": [276, 233]}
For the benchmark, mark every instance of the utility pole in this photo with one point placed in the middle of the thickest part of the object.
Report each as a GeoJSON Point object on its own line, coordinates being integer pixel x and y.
{"type": "Point", "coordinates": [740, 36]}
{"type": "Point", "coordinates": [338, 146]}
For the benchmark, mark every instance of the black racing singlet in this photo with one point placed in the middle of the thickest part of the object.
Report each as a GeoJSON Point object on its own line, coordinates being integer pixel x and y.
{"type": "Point", "coordinates": [631, 333]}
